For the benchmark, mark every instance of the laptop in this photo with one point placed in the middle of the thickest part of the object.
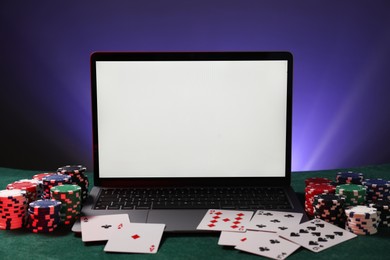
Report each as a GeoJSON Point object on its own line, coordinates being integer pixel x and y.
{"type": "Point", "coordinates": [172, 128]}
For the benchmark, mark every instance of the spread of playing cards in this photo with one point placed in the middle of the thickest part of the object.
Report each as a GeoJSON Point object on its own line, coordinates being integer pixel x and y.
{"type": "Point", "coordinates": [121, 235]}
{"type": "Point", "coordinates": [272, 234]}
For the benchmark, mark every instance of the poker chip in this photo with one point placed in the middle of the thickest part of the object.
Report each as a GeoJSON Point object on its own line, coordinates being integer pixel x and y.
{"type": "Point", "coordinates": [77, 174]}
{"type": "Point", "coordinates": [38, 177]}
{"type": "Point", "coordinates": [376, 189]}
{"type": "Point", "coordinates": [51, 181]}
{"type": "Point", "coordinates": [354, 194]}
{"type": "Point", "coordinates": [316, 189]}
{"type": "Point", "coordinates": [12, 208]}
{"type": "Point", "coordinates": [70, 197]}
{"type": "Point", "coordinates": [362, 220]}
{"type": "Point", "coordinates": [29, 186]}
{"type": "Point", "coordinates": [349, 177]}
{"type": "Point", "coordinates": [329, 207]}
{"type": "Point", "coordinates": [383, 208]}
{"type": "Point", "coordinates": [43, 216]}
{"type": "Point", "coordinates": [316, 180]}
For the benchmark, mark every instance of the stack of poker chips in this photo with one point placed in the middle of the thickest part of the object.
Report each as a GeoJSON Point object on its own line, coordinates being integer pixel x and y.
{"type": "Point", "coordinates": [43, 216]}
{"type": "Point", "coordinates": [70, 197]}
{"type": "Point", "coordinates": [349, 177]}
{"type": "Point", "coordinates": [316, 189]}
{"type": "Point", "coordinates": [362, 220]}
{"type": "Point", "coordinates": [383, 209]}
{"type": "Point", "coordinates": [354, 194]}
{"type": "Point", "coordinates": [12, 209]}
{"type": "Point", "coordinates": [329, 207]}
{"type": "Point", "coordinates": [376, 189]}
{"type": "Point", "coordinates": [77, 173]}
{"type": "Point", "coordinates": [51, 181]}
{"type": "Point", "coordinates": [38, 177]}
{"type": "Point", "coordinates": [29, 186]}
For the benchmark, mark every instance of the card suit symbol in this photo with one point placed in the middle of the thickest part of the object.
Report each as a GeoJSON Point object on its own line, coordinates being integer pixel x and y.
{"type": "Point", "coordinates": [218, 213]}
{"type": "Point", "coordinates": [313, 243]}
{"type": "Point", "coordinates": [261, 226]}
{"type": "Point", "coordinates": [260, 213]}
{"type": "Point", "coordinates": [304, 231]}
{"type": "Point", "coordinates": [85, 220]}
{"type": "Point", "coordinates": [243, 239]}
{"type": "Point", "coordinates": [136, 236]}
{"type": "Point", "coordinates": [312, 228]}
{"type": "Point", "coordinates": [275, 221]}
{"type": "Point", "coordinates": [320, 225]}
{"type": "Point", "coordinates": [236, 222]}
{"type": "Point", "coordinates": [283, 228]}
{"type": "Point", "coordinates": [281, 255]}
{"type": "Point", "coordinates": [226, 219]}
{"type": "Point", "coordinates": [152, 247]}
{"type": "Point", "coordinates": [211, 225]}
{"type": "Point", "coordinates": [321, 239]}
{"type": "Point", "coordinates": [238, 218]}
{"type": "Point", "coordinates": [329, 236]}
{"type": "Point", "coordinates": [216, 217]}
{"type": "Point", "coordinates": [214, 221]}
{"type": "Point", "coordinates": [234, 226]}
{"type": "Point", "coordinates": [338, 233]}
{"type": "Point", "coordinates": [288, 216]}
{"type": "Point", "coordinates": [316, 234]}
{"type": "Point", "coordinates": [274, 241]}
{"type": "Point", "coordinates": [262, 249]}
{"type": "Point", "coordinates": [292, 234]}
{"type": "Point", "coordinates": [106, 226]}
{"type": "Point", "coordinates": [240, 214]}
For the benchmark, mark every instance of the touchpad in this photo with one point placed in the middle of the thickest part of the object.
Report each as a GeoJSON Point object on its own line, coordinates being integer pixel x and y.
{"type": "Point", "coordinates": [177, 220]}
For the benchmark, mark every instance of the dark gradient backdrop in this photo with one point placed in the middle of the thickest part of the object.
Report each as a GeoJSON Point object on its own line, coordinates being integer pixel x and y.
{"type": "Point", "coordinates": [341, 83]}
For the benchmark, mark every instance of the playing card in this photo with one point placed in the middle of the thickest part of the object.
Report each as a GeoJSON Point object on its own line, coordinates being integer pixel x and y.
{"type": "Point", "coordinates": [317, 235]}
{"type": "Point", "coordinates": [274, 221]}
{"type": "Point", "coordinates": [267, 244]}
{"type": "Point", "coordinates": [225, 220]}
{"type": "Point", "coordinates": [98, 228]}
{"type": "Point", "coordinates": [231, 238]}
{"type": "Point", "coordinates": [136, 238]}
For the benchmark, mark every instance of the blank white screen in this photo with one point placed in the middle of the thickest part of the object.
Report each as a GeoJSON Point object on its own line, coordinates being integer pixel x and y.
{"type": "Point", "coordinates": [191, 118]}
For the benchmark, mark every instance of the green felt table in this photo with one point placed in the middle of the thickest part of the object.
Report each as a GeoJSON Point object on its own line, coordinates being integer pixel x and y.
{"type": "Point", "coordinates": [63, 244]}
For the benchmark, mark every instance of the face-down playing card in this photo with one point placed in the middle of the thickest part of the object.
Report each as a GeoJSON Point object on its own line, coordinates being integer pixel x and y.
{"type": "Point", "coordinates": [225, 220]}
{"type": "Point", "coordinates": [267, 244]}
{"type": "Point", "coordinates": [136, 238]}
{"type": "Point", "coordinates": [317, 235]}
{"type": "Point", "coordinates": [99, 228]}
{"type": "Point", "coordinates": [274, 221]}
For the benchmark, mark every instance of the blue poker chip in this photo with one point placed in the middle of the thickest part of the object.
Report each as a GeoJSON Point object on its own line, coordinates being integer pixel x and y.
{"type": "Point", "coordinates": [349, 177]}
{"type": "Point", "coordinates": [45, 204]}
{"type": "Point", "coordinates": [56, 178]}
{"type": "Point", "coordinates": [375, 183]}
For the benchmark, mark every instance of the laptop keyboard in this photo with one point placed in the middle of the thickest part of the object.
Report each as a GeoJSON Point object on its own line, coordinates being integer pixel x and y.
{"type": "Point", "coordinates": [192, 198]}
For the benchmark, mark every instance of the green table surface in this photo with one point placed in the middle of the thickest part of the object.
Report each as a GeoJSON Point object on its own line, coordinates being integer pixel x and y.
{"type": "Point", "coordinates": [63, 244]}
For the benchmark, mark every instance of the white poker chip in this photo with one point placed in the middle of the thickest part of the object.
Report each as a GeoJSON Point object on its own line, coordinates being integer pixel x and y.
{"type": "Point", "coordinates": [11, 193]}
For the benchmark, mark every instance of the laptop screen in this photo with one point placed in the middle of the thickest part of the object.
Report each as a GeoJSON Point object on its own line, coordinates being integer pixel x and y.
{"type": "Point", "coordinates": [190, 116]}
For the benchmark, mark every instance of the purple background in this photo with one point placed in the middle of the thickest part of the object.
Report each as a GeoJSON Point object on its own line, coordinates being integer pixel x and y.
{"type": "Point", "coordinates": [341, 114]}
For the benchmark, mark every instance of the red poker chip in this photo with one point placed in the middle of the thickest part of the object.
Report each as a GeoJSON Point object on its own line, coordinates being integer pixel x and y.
{"type": "Point", "coordinates": [317, 180]}
{"type": "Point", "coordinates": [40, 176]}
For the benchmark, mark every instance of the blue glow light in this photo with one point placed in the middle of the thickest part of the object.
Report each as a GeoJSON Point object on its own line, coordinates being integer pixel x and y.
{"type": "Point", "coordinates": [341, 115]}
